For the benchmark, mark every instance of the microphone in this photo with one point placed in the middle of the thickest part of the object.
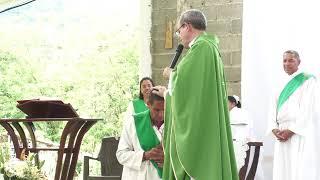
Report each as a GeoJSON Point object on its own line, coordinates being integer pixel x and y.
{"type": "Point", "coordinates": [176, 56]}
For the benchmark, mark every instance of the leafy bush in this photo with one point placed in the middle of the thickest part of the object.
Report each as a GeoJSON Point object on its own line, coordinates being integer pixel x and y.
{"type": "Point", "coordinates": [17, 169]}
{"type": "Point", "coordinates": [88, 60]}
{"type": "Point", "coordinates": [99, 89]}
{"type": "Point", "coordinates": [4, 156]}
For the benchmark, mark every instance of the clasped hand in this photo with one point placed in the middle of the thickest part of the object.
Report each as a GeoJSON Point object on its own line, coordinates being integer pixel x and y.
{"type": "Point", "coordinates": [155, 154]}
{"type": "Point", "coordinates": [283, 135]}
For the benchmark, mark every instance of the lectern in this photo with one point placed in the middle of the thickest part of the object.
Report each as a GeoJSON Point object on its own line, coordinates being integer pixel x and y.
{"type": "Point", "coordinates": [43, 111]}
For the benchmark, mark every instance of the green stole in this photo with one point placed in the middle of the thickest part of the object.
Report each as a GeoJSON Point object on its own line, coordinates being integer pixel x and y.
{"type": "Point", "coordinates": [139, 105]}
{"type": "Point", "coordinates": [146, 135]}
{"type": "Point", "coordinates": [291, 87]}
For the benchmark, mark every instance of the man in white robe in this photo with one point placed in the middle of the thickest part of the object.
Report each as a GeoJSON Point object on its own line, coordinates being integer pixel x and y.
{"type": "Point", "coordinates": [293, 124]}
{"type": "Point", "coordinates": [140, 164]}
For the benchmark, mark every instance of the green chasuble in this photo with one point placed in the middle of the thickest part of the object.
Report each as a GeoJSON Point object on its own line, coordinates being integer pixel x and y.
{"type": "Point", "coordinates": [291, 87]}
{"type": "Point", "coordinates": [197, 134]}
{"type": "Point", "coordinates": [146, 135]}
{"type": "Point", "coordinates": [139, 105]}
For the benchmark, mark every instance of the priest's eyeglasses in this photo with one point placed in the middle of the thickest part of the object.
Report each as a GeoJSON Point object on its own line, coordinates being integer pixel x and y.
{"type": "Point", "coordinates": [177, 33]}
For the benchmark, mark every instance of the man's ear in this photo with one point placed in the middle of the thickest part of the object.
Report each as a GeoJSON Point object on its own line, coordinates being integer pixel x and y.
{"type": "Point", "coordinates": [189, 27]}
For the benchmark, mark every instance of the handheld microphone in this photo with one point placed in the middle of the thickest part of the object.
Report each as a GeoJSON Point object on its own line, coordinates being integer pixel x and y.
{"type": "Point", "coordinates": [176, 56]}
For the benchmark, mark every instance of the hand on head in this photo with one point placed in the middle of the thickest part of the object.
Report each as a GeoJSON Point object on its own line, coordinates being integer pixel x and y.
{"type": "Point", "coordinates": [159, 90]}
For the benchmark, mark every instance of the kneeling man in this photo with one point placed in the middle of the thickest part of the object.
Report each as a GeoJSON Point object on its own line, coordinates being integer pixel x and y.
{"type": "Point", "coordinates": [139, 150]}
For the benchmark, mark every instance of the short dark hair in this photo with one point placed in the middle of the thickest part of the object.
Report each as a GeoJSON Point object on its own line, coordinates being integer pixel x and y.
{"type": "Point", "coordinates": [141, 81]}
{"type": "Point", "coordinates": [154, 97]}
{"type": "Point", "coordinates": [194, 17]}
{"type": "Point", "coordinates": [233, 100]}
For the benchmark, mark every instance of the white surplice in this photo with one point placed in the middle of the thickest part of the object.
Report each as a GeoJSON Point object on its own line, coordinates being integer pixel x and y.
{"type": "Point", "coordinates": [240, 124]}
{"type": "Point", "coordinates": [130, 153]}
{"type": "Point", "coordinates": [295, 159]}
{"type": "Point", "coordinates": [239, 121]}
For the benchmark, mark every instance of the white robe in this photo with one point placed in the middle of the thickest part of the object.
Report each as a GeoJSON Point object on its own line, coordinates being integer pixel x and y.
{"type": "Point", "coordinates": [295, 159]}
{"type": "Point", "coordinates": [130, 154]}
{"type": "Point", "coordinates": [242, 132]}
{"type": "Point", "coordinates": [240, 124]}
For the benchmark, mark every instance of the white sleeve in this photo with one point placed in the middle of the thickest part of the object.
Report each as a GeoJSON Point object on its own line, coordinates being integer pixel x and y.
{"type": "Point", "coordinates": [170, 88]}
{"type": "Point", "coordinates": [272, 116]}
{"type": "Point", "coordinates": [250, 129]}
{"type": "Point", "coordinates": [129, 111]}
{"type": "Point", "coordinates": [126, 154]}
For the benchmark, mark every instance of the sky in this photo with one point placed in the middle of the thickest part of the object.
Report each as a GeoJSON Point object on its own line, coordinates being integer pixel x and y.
{"type": "Point", "coordinates": [114, 12]}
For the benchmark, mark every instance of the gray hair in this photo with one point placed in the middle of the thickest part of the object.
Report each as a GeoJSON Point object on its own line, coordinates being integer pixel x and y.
{"type": "Point", "coordinates": [195, 17]}
{"type": "Point", "coordinates": [293, 52]}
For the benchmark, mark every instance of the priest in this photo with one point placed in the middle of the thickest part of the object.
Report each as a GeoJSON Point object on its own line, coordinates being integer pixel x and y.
{"type": "Point", "coordinates": [197, 136]}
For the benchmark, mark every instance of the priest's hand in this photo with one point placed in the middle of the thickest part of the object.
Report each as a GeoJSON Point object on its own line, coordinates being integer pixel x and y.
{"type": "Point", "coordinates": [166, 72]}
{"type": "Point", "coordinates": [159, 90]}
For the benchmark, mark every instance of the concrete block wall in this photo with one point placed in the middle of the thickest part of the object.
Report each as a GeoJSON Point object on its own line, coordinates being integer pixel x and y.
{"type": "Point", "coordinates": [224, 19]}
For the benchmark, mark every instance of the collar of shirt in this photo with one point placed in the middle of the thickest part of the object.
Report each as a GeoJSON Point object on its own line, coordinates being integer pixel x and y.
{"type": "Point", "coordinates": [158, 124]}
{"type": "Point", "coordinates": [194, 39]}
{"type": "Point", "coordinates": [192, 42]}
{"type": "Point", "coordinates": [294, 74]}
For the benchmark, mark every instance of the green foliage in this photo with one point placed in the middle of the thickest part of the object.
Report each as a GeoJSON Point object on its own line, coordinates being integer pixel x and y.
{"type": "Point", "coordinates": [4, 155]}
{"type": "Point", "coordinates": [97, 89]}
{"type": "Point", "coordinates": [86, 60]}
{"type": "Point", "coordinates": [102, 91]}
{"type": "Point", "coordinates": [16, 77]}
{"type": "Point", "coordinates": [23, 169]}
